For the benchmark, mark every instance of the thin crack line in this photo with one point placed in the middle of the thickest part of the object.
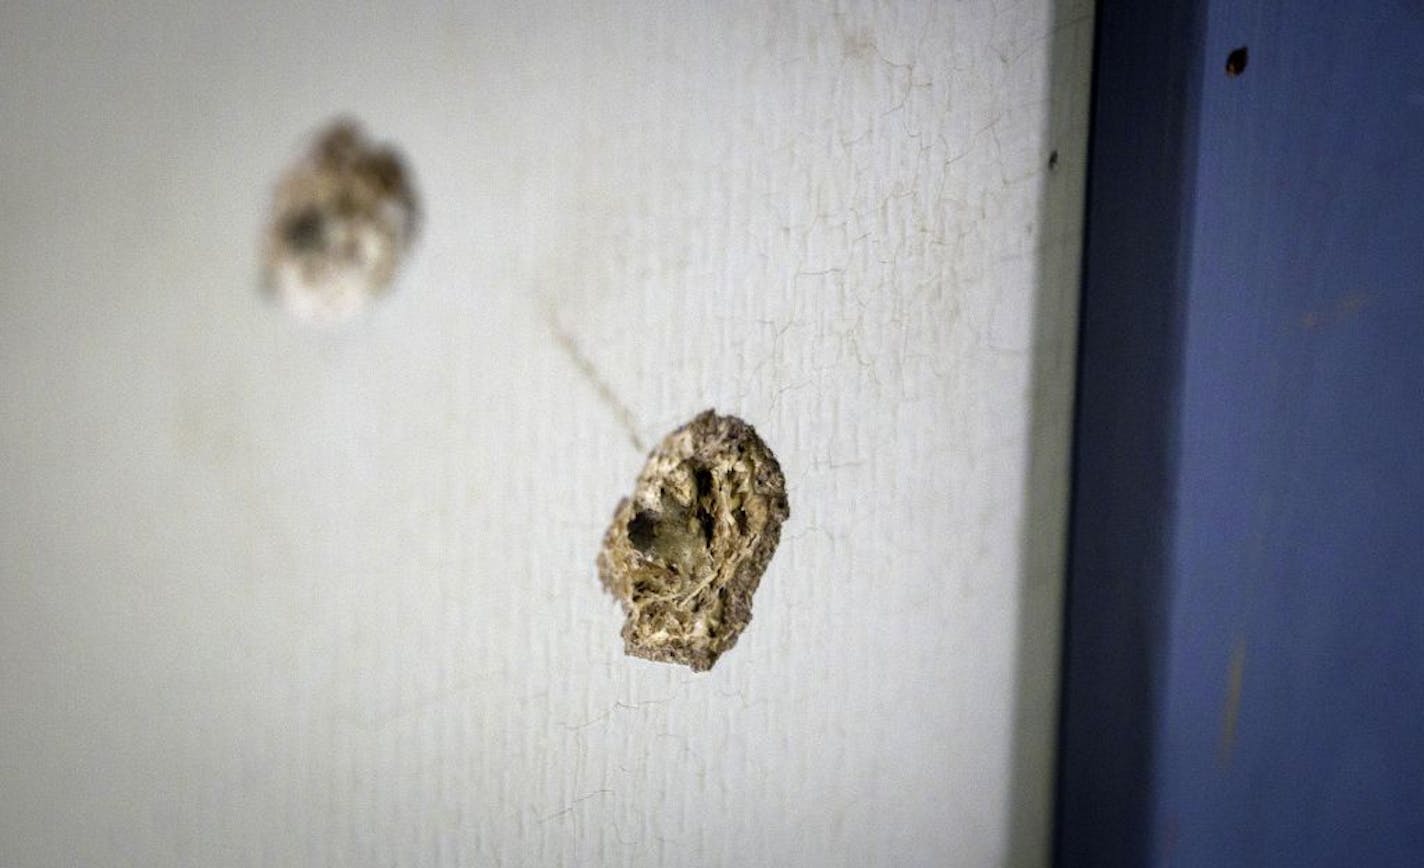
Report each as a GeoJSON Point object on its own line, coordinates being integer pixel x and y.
{"type": "Point", "coordinates": [600, 386]}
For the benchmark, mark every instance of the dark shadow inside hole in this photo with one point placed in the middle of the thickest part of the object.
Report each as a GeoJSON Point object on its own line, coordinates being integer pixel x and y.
{"type": "Point", "coordinates": [702, 496]}
{"type": "Point", "coordinates": [641, 528]}
{"type": "Point", "coordinates": [739, 515]}
{"type": "Point", "coordinates": [708, 523]}
{"type": "Point", "coordinates": [1236, 61]}
{"type": "Point", "coordinates": [303, 231]}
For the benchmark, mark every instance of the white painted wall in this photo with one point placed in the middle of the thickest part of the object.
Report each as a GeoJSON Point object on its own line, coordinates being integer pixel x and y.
{"type": "Point", "coordinates": [271, 595]}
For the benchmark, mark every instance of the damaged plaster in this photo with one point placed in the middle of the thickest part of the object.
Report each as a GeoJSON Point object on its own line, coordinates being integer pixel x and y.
{"type": "Point", "coordinates": [685, 553]}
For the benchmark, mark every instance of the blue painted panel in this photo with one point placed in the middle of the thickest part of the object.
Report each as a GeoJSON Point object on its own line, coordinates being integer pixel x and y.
{"type": "Point", "coordinates": [1293, 727]}
{"type": "Point", "coordinates": [1244, 657]}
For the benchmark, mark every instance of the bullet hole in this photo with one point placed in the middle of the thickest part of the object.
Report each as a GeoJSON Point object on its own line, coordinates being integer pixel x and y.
{"type": "Point", "coordinates": [1236, 62]}
{"type": "Point", "coordinates": [343, 218]}
{"type": "Point", "coordinates": [686, 552]}
{"type": "Point", "coordinates": [1053, 161]}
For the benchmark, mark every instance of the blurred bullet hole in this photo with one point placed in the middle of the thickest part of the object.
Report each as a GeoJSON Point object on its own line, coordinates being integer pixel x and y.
{"type": "Point", "coordinates": [344, 215]}
{"type": "Point", "coordinates": [1236, 62]}
{"type": "Point", "coordinates": [1052, 161]}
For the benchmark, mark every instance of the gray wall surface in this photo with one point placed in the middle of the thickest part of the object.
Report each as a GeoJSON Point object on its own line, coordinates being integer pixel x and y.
{"type": "Point", "coordinates": [275, 594]}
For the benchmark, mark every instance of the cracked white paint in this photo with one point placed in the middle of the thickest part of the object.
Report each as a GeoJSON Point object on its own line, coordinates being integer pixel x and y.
{"type": "Point", "coordinates": [270, 596]}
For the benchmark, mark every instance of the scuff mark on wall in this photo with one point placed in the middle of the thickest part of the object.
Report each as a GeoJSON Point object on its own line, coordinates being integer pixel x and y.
{"type": "Point", "coordinates": [1343, 309]}
{"type": "Point", "coordinates": [1231, 708]}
